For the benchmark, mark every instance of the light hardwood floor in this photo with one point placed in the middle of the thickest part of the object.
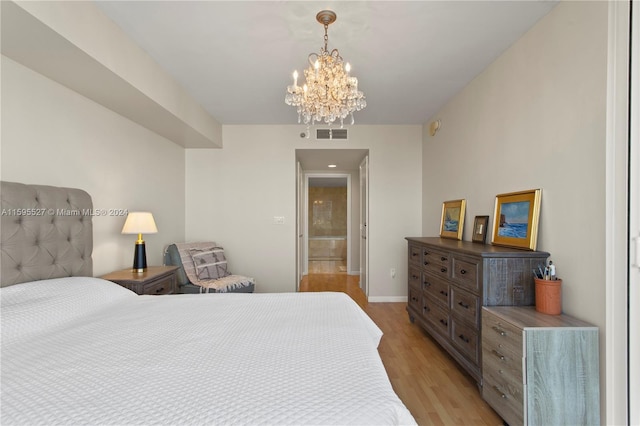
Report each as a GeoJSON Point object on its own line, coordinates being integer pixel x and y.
{"type": "Point", "coordinates": [427, 379]}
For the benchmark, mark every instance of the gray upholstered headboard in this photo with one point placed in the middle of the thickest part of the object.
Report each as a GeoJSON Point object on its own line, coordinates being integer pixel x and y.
{"type": "Point", "coordinates": [46, 232]}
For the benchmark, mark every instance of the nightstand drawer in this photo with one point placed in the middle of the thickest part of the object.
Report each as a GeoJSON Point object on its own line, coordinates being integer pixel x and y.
{"type": "Point", "coordinates": [164, 285]}
{"type": "Point", "coordinates": [154, 280]}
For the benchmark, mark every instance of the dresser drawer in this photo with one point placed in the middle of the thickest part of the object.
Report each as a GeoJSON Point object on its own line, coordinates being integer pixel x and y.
{"type": "Point", "coordinates": [415, 255]}
{"type": "Point", "coordinates": [162, 286]}
{"type": "Point", "coordinates": [415, 298]}
{"type": "Point", "coordinates": [436, 315]}
{"type": "Point", "coordinates": [466, 273]}
{"type": "Point", "coordinates": [501, 335]}
{"type": "Point", "coordinates": [436, 288]}
{"type": "Point", "coordinates": [466, 339]}
{"type": "Point", "coordinates": [465, 305]}
{"type": "Point", "coordinates": [436, 262]}
{"type": "Point", "coordinates": [502, 364]}
{"type": "Point", "coordinates": [414, 277]}
{"type": "Point", "coordinates": [502, 399]}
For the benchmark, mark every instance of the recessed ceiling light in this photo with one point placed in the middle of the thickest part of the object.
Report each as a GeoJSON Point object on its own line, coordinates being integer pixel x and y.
{"type": "Point", "coordinates": [332, 165]}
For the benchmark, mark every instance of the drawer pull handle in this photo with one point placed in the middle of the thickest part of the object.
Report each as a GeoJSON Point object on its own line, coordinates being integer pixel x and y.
{"type": "Point", "coordinates": [426, 263]}
{"type": "Point", "coordinates": [463, 305]}
{"type": "Point", "coordinates": [498, 354]}
{"type": "Point", "coordinates": [427, 284]}
{"type": "Point", "coordinates": [414, 277]}
{"type": "Point", "coordinates": [443, 259]}
{"type": "Point", "coordinates": [502, 395]}
{"type": "Point", "coordinates": [443, 269]}
{"type": "Point", "coordinates": [499, 331]}
{"type": "Point", "coordinates": [444, 322]}
{"type": "Point", "coordinates": [414, 254]}
{"type": "Point", "coordinates": [444, 293]}
{"type": "Point", "coordinates": [161, 289]}
{"type": "Point", "coordinates": [463, 271]}
{"type": "Point", "coordinates": [415, 299]}
{"type": "Point", "coordinates": [426, 253]}
{"type": "Point", "coordinates": [426, 309]}
{"type": "Point", "coordinates": [464, 339]}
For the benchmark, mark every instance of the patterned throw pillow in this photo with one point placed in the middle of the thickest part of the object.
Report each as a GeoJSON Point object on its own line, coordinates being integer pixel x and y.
{"type": "Point", "coordinates": [210, 264]}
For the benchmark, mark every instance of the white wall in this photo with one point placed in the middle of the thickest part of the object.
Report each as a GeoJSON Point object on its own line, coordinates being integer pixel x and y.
{"type": "Point", "coordinates": [536, 118]}
{"type": "Point", "coordinates": [54, 136]}
{"type": "Point", "coordinates": [234, 193]}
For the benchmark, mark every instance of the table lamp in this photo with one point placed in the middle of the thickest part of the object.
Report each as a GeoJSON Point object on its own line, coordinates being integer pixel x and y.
{"type": "Point", "coordinates": [139, 223]}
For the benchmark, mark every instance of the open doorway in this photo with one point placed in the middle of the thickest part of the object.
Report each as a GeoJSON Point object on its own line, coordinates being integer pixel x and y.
{"type": "Point", "coordinates": [326, 248]}
{"type": "Point", "coordinates": [328, 223]}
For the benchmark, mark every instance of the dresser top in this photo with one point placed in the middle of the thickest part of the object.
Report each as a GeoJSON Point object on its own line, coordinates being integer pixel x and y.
{"type": "Point", "coordinates": [476, 249]}
{"type": "Point", "coordinates": [528, 317]}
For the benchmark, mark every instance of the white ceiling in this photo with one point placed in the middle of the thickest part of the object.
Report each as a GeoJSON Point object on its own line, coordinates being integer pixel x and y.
{"type": "Point", "coordinates": [410, 57]}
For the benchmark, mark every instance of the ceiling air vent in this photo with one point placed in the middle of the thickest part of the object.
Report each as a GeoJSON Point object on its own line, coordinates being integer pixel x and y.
{"type": "Point", "coordinates": [332, 134]}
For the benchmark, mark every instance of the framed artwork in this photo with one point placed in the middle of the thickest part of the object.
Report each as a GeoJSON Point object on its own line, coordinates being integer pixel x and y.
{"type": "Point", "coordinates": [480, 225]}
{"type": "Point", "coordinates": [515, 220]}
{"type": "Point", "coordinates": [452, 220]}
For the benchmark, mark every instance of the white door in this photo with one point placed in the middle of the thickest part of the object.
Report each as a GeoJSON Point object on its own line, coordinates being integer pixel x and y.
{"type": "Point", "coordinates": [364, 224]}
{"type": "Point", "coordinates": [300, 225]}
{"type": "Point", "coordinates": [634, 224]}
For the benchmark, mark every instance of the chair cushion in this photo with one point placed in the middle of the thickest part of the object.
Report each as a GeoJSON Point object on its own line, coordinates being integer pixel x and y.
{"type": "Point", "coordinates": [210, 263]}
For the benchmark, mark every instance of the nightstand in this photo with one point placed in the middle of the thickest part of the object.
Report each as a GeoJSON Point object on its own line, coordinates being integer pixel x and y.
{"type": "Point", "coordinates": [154, 280]}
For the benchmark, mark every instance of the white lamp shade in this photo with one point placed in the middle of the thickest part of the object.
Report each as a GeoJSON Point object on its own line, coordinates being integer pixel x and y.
{"type": "Point", "coordinates": [139, 223]}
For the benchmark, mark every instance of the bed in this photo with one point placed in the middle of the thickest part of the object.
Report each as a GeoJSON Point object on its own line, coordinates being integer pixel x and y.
{"type": "Point", "coordinates": [81, 350]}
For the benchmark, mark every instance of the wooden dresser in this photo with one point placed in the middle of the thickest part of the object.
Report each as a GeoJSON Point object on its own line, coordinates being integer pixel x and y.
{"type": "Point", "coordinates": [450, 281]}
{"type": "Point", "coordinates": [540, 369]}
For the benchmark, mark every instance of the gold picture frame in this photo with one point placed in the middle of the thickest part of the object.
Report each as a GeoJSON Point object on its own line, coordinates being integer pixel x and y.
{"type": "Point", "coordinates": [452, 221]}
{"type": "Point", "coordinates": [515, 219]}
{"type": "Point", "coordinates": [480, 225]}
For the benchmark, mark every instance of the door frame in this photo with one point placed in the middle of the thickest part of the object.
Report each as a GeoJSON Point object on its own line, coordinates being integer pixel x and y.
{"type": "Point", "coordinates": [363, 185]}
{"type": "Point", "coordinates": [300, 249]}
{"type": "Point", "coordinates": [305, 218]}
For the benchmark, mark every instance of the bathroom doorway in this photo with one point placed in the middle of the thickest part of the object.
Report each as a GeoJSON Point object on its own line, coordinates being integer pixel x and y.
{"type": "Point", "coordinates": [328, 223]}
{"type": "Point", "coordinates": [341, 165]}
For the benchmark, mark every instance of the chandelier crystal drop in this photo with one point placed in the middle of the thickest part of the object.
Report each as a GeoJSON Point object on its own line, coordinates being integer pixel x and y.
{"type": "Point", "coordinates": [329, 92]}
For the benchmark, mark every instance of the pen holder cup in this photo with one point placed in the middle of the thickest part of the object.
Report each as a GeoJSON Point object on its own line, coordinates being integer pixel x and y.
{"type": "Point", "coordinates": [548, 296]}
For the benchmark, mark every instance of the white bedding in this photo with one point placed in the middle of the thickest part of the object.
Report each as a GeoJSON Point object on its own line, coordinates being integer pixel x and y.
{"type": "Point", "coordinates": [86, 351]}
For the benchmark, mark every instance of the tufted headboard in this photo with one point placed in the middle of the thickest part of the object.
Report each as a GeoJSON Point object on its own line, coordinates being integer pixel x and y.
{"type": "Point", "coordinates": [46, 232]}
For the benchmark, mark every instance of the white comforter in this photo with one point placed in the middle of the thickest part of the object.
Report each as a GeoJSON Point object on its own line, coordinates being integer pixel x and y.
{"type": "Point", "coordinates": [87, 351]}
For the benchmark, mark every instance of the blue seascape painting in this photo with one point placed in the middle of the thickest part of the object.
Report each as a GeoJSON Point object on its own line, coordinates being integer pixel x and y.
{"type": "Point", "coordinates": [514, 220]}
{"type": "Point", "coordinates": [451, 219]}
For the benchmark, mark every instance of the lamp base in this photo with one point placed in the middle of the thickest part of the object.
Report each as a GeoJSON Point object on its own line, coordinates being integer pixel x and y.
{"type": "Point", "coordinates": [140, 258]}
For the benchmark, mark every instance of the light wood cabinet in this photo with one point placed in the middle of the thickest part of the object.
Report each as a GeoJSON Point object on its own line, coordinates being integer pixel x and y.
{"type": "Point", "coordinates": [449, 281]}
{"type": "Point", "coordinates": [540, 369]}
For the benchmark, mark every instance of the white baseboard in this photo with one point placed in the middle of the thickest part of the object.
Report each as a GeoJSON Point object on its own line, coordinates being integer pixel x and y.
{"type": "Point", "coordinates": [382, 299]}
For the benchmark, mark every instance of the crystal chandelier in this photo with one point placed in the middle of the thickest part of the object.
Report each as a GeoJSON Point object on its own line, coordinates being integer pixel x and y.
{"type": "Point", "coordinates": [329, 92]}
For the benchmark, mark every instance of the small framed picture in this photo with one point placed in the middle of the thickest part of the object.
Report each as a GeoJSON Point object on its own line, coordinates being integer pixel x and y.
{"type": "Point", "coordinates": [480, 225]}
{"type": "Point", "coordinates": [515, 220]}
{"type": "Point", "coordinates": [452, 220]}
